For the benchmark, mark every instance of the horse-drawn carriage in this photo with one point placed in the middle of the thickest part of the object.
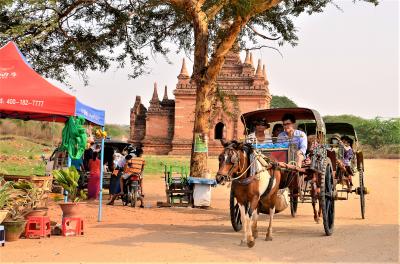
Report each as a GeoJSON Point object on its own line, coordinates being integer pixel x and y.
{"type": "Point", "coordinates": [357, 161]}
{"type": "Point", "coordinates": [315, 177]}
{"type": "Point", "coordinates": [315, 180]}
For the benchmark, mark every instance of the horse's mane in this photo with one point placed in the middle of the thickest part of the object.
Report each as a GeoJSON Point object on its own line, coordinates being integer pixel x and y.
{"type": "Point", "coordinates": [248, 148]}
{"type": "Point", "coordinates": [245, 146]}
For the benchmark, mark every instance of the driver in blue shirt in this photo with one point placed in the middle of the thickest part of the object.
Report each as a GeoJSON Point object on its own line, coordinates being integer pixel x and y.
{"type": "Point", "coordinates": [294, 136]}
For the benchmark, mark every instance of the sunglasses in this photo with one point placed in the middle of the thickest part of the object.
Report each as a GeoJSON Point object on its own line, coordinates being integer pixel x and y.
{"type": "Point", "coordinates": [286, 124]}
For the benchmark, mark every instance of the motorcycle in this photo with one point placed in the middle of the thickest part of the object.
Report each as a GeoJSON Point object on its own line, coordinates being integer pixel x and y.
{"type": "Point", "coordinates": [133, 191]}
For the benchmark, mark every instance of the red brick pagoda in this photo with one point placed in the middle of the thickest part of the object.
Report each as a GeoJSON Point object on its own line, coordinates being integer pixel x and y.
{"type": "Point", "coordinates": [166, 126]}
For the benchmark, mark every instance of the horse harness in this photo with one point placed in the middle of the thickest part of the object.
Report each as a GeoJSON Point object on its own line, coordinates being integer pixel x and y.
{"type": "Point", "coordinates": [255, 176]}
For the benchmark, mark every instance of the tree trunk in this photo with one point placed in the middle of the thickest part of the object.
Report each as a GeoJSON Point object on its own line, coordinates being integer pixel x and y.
{"type": "Point", "coordinates": [198, 160]}
{"type": "Point", "coordinates": [205, 77]}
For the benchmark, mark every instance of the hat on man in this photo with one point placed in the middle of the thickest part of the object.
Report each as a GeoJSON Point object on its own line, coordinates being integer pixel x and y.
{"type": "Point", "coordinates": [336, 135]}
{"type": "Point", "coordinates": [262, 122]}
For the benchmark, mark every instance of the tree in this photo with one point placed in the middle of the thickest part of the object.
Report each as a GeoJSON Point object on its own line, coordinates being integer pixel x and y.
{"type": "Point", "coordinates": [78, 32]}
{"type": "Point", "coordinates": [281, 101]}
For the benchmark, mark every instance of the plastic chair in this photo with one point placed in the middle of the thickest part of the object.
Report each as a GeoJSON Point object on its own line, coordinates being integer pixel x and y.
{"type": "Point", "coordinates": [72, 226]}
{"type": "Point", "coordinates": [37, 227]}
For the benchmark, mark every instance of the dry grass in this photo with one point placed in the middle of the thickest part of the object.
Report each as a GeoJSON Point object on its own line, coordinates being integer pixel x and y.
{"type": "Point", "coordinates": [385, 152]}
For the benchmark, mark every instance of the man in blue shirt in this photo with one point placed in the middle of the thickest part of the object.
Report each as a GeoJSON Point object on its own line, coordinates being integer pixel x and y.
{"type": "Point", "coordinates": [294, 136]}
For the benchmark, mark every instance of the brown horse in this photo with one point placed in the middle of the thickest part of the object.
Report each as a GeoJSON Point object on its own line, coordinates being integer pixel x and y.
{"type": "Point", "coordinates": [252, 184]}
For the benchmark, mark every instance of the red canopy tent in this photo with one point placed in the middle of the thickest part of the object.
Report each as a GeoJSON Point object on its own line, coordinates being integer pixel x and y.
{"type": "Point", "coordinates": [25, 94]}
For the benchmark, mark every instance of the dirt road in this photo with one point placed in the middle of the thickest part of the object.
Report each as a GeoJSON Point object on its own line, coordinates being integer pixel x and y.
{"type": "Point", "coordinates": [185, 234]}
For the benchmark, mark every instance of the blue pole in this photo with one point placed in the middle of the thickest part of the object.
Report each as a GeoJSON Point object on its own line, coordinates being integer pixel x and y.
{"type": "Point", "coordinates": [101, 179]}
{"type": "Point", "coordinates": [69, 161]}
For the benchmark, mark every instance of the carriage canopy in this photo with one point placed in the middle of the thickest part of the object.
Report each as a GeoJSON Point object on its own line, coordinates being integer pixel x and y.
{"type": "Point", "coordinates": [276, 114]}
{"type": "Point", "coordinates": [331, 128]}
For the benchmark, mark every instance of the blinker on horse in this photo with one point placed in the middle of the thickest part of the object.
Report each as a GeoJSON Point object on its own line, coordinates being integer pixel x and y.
{"type": "Point", "coordinates": [255, 185]}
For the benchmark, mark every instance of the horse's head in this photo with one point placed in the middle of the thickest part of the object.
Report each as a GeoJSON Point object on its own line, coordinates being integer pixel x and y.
{"type": "Point", "coordinates": [231, 161]}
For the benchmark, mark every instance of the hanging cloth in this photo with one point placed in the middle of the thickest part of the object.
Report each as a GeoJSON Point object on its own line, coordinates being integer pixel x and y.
{"type": "Point", "coordinates": [74, 137]}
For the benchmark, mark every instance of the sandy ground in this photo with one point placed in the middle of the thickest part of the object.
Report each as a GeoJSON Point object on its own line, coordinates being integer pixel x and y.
{"type": "Point", "coordinates": [198, 235]}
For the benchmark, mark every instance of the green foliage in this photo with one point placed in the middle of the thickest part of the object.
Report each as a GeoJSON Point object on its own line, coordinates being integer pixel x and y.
{"type": "Point", "coordinates": [155, 164]}
{"type": "Point", "coordinates": [24, 196]}
{"type": "Point", "coordinates": [373, 132]}
{"type": "Point", "coordinates": [90, 35]}
{"type": "Point", "coordinates": [68, 179]}
{"type": "Point", "coordinates": [351, 119]}
{"type": "Point", "coordinates": [228, 103]}
{"type": "Point", "coordinates": [378, 133]}
{"type": "Point", "coordinates": [48, 133]}
{"type": "Point", "coordinates": [281, 102]}
{"type": "Point", "coordinates": [117, 131]}
{"type": "Point", "coordinates": [5, 189]}
{"type": "Point", "coordinates": [32, 194]}
{"type": "Point", "coordinates": [15, 152]}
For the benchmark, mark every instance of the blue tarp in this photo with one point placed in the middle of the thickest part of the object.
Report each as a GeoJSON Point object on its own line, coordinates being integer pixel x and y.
{"type": "Point", "coordinates": [91, 114]}
{"type": "Point", "coordinates": [195, 180]}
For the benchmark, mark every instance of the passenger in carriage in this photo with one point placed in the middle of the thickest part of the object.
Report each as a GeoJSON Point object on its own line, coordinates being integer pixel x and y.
{"type": "Point", "coordinates": [276, 130]}
{"type": "Point", "coordinates": [294, 136]}
{"type": "Point", "coordinates": [312, 142]}
{"type": "Point", "coordinates": [334, 142]}
{"type": "Point", "coordinates": [260, 134]}
{"type": "Point", "coordinates": [335, 139]}
{"type": "Point", "coordinates": [347, 157]}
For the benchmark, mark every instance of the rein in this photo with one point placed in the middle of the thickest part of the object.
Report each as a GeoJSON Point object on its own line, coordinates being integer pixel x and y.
{"type": "Point", "coordinates": [241, 175]}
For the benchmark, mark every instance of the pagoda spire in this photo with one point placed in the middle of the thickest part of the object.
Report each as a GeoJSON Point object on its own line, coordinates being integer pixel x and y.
{"type": "Point", "coordinates": [251, 59]}
{"type": "Point", "coordinates": [183, 77]}
{"type": "Point", "coordinates": [259, 72]}
{"type": "Point", "coordinates": [154, 102]}
{"type": "Point", "coordinates": [184, 72]}
{"type": "Point", "coordinates": [165, 93]}
{"type": "Point", "coordinates": [247, 59]}
{"type": "Point", "coordinates": [264, 72]}
{"type": "Point", "coordinates": [154, 98]}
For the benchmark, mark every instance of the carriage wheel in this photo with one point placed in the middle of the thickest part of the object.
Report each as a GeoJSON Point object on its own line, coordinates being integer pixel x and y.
{"type": "Point", "coordinates": [362, 194]}
{"type": "Point", "coordinates": [235, 213]}
{"type": "Point", "coordinates": [293, 205]}
{"type": "Point", "coordinates": [328, 198]}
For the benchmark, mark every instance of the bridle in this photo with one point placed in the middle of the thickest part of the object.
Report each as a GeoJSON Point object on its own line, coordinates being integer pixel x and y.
{"type": "Point", "coordinates": [236, 163]}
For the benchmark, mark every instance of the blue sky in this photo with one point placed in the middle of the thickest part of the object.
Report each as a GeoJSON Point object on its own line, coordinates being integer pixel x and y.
{"type": "Point", "coordinates": [346, 62]}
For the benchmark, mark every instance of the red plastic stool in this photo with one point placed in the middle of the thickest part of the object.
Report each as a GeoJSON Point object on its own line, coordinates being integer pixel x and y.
{"type": "Point", "coordinates": [37, 227]}
{"type": "Point", "coordinates": [72, 226]}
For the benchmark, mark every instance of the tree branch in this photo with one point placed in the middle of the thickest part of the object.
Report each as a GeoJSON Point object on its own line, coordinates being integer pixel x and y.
{"type": "Point", "coordinates": [74, 5]}
{"type": "Point", "coordinates": [264, 6]}
{"type": "Point", "coordinates": [265, 46]}
{"type": "Point", "coordinates": [178, 3]}
{"type": "Point", "coordinates": [261, 35]}
{"type": "Point", "coordinates": [224, 47]}
{"type": "Point", "coordinates": [213, 10]}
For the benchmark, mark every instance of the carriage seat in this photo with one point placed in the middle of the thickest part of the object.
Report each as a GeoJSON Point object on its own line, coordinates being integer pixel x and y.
{"type": "Point", "coordinates": [278, 152]}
